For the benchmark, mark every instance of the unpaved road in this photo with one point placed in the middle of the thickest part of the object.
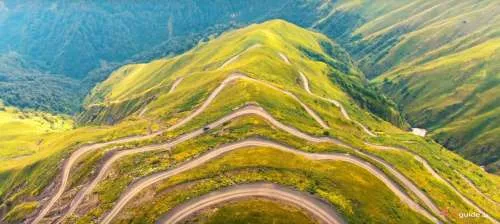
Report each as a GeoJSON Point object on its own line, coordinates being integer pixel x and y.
{"type": "Point", "coordinates": [429, 169]}
{"type": "Point", "coordinates": [247, 110]}
{"type": "Point", "coordinates": [234, 77]}
{"type": "Point", "coordinates": [469, 182]}
{"type": "Point", "coordinates": [319, 209]}
{"type": "Point", "coordinates": [143, 183]}
{"type": "Point", "coordinates": [305, 82]}
{"type": "Point", "coordinates": [172, 88]}
{"type": "Point", "coordinates": [86, 149]}
{"type": "Point", "coordinates": [284, 58]}
{"type": "Point", "coordinates": [234, 58]}
{"type": "Point", "coordinates": [408, 184]}
{"type": "Point", "coordinates": [74, 158]}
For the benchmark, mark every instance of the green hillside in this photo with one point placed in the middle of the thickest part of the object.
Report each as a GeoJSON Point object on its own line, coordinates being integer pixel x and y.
{"type": "Point", "coordinates": [129, 88]}
{"type": "Point", "coordinates": [267, 104]}
{"type": "Point", "coordinates": [383, 35]}
{"type": "Point", "coordinates": [456, 97]}
{"type": "Point", "coordinates": [439, 61]}
{"type": "Point", "coordinates": [23, 131]}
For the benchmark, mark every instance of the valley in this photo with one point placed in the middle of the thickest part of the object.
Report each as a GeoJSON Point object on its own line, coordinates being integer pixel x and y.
{"type": "Point", "coordinates": [262, 101]}
{"type": "Point", "coordinates": [338, 112]}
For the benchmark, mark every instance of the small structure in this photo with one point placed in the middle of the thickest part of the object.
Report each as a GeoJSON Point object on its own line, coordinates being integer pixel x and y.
{"type": "Point", "coordinates": [419, 131]}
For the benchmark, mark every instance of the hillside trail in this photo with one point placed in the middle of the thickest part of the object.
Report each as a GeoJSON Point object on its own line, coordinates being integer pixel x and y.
{"type": "Point", "coordinates": [429, 169]}
{"type": "Point", "coordinates": [424, 162]}
{"type": "Point", "coordinates": [68, 164]}
{"type": "Point", "coordinates": [143, 183]}
{"type": "Point", "coordinates": [80, 152]}
{"type": "Point", "coordinates": [197, 112]}
{"type": "Point", "coordinates": [319, 209]}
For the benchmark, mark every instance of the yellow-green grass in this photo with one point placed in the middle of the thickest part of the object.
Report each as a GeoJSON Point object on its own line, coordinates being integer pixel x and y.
{"type": "Point", "coordinates": [22, 131]}
{"type": "Point", "coordinates": [452, 43]}
{"type": "Point", "coordinates": [136, 166]}
{"type": "Point", "coordinates": [18, 213]}
{"type": "Point", "coordinates": [343, 184]}
{"type": "Point", "coordinates": [252, 210]}
{"type": "Point", "coordinates": [50, 164]}
{"type": "Point", "coordinates": [29, 175]}
{"type": "Point", "coordinates": [263, 63]}
{"type": "Point", "coordinates": [445, 163]}
{"type": "Point", "coordinates": [196, 87]}
{"type": "Point", "coordinates": [394, 33]}
{"type": "Point", "coordinates": [455, 97]}
{"type": "Point", "coordinates": [201, 76]}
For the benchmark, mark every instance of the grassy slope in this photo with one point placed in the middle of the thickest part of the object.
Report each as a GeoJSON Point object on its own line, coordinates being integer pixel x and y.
{"type": "Point", "coordinates": [131, 85]}
{"type": "Point", "coordinates": [22, 131]}
{"type": "Point", "coordinates": [26, 178]}
{"type": "Point", "coordinates": [388, 37]}
{"type": "Point", "coordinates": [253, 211]}
{"type": "Point", "coordinates": [249, 165]}
{"type": "Point", "coordinates": [456, 97]}
{"type": "Point", "coordinates": [262, 63]}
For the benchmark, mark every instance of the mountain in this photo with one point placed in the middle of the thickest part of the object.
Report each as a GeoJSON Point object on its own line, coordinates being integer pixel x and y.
{"type": "Point", "coordinates": [86, 40]}
{"type": "Point", "coordinates": [455, 97]}
{"type": "Point", "coordinates": [129, 88]}
{"type": "Point", "coordinates": [383, 35]}
{"type": "Point", "coordinates": [82, 39]}
{"type": "Point", "coordinates": [435, 59]}
{"type": "Point", "coordinates": [258, 114]}
{"type": "Point", "coordinates": [24, 84]}
{"type": "Point", "coordinates": [21, 128]}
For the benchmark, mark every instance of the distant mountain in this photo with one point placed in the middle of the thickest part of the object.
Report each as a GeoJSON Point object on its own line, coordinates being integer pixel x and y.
{"type": "Point", "coordinates": [98, 37]}
{"type": "Point", "coordinates": [436, 59]}
{"type": "Point", "coordinates": [24, 84]}
{"type": "Point", "coordinates": [455, 96]}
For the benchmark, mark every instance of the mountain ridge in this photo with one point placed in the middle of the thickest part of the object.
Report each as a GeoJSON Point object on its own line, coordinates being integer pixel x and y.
{"type": "Point", "coordinates": [299, 111]}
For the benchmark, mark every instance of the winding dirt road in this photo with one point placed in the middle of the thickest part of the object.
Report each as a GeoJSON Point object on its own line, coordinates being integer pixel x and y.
{"type": "Point", "coordinates": [284, 58]}
{"type": "Point", "coordinates": [429, 169]}
{"type": "Point", "coordinates": [90, 148]}
{"type": "Point", "coordinates": [472, 185]}
{"type": "Point", "coordinates": [86, 149]}
{"type": "Point", "coordinates": [234, 58]}
{"type": "Point", "coordinates": [247, 110]}
{"type": "Point", "coordinates": [305, 82]}
{"type": "Point", "coordinates": [319, 209]}
{"type": "Point", "coordinates": [417, 157]}
{"type": "Point", "coordinates": [73, 159]}
{"type": "Point", "coordinates": [233, 77]}
{"type": "Point", "coordinates": [140, 185]}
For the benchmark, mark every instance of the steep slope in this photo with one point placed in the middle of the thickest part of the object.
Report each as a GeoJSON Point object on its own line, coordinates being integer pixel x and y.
{"type": "Point", "coordinates": [86, 40]}
{"type": "Point", "coordinates": [253, 107]}
{"type": "Point", "coordinates": [132, 86]}
{"type": "Point", "coordinates": [446, 46]}
{"type": "Point", "coordinates": [22, 131]}
{"type": "Point", "coordinates": [24, 84]}
{"type": "Point", "coordinates": [455, 97]}
{"type": "Point", "coordinates": [382, 35]}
